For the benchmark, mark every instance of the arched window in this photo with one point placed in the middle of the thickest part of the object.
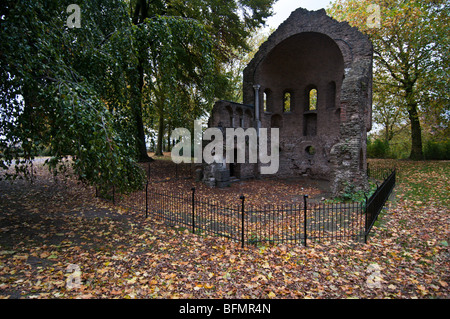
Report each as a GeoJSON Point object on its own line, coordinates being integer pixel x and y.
{"type": "Point", "coordinates": [287, 102]}
{"type": "Point", "coordinates": [231, 115]}
{"type": "Point", "coordinates": [240, 117]}
{"type": "Point", "coordinates": [265, 101]}
{"type": "Point", "coordinates": [312, 100]}
{"type": "Point", "coordinates": [266, 98]}
{"type": "Point", "coordinates": [248, 118]}
{"type": "Point", "coordinates": [310, 114]}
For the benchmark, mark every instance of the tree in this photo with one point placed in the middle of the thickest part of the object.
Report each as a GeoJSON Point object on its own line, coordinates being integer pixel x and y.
{"type": "Point", "coordinates": [228, 24]}
{"type": "Point", "coordinates": [54, 92]}
{"type": "Point", "coordinates": [82, 92]}
{"type": "Point", "coordinates": [176, 58]}
{"type": "Point", "coordinates": [386, 110]}
{"type": "Point", "coordinates": [410, 46]}
{"type": "Point", "coordinates": [233, 69]}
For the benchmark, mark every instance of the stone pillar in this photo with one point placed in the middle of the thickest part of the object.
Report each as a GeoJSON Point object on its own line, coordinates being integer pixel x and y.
{"type": "Point", "coordinates": [257, 120]}
{"type": "Point", "coordinates": [256, 87]}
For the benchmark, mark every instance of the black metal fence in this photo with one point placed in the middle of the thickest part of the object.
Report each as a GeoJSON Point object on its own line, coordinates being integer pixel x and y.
{"type": "Point", "coordinates": [376, 202]}
{"type": "Point", "coordinates": [377, 173]}
{"type": "Point", "coordinates": [249, 224]}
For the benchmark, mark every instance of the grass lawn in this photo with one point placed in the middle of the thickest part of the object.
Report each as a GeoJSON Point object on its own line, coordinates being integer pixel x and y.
{"type": "Point", "coordinates": [52, 224]}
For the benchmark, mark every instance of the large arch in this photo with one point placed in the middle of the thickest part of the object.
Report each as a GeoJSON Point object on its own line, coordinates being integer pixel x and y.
{"type": "Point", "coordinates": [302, 60]}
{"type": "Point", "coordinates": [312, 53]}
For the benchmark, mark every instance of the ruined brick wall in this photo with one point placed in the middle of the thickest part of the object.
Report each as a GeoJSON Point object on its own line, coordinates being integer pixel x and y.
{"type": "Point", "coordinates": [312, 51]}
{"type": "Point", "coordinates": [226, 114]}
{"type": "Point", "coordinates": [323, 137]}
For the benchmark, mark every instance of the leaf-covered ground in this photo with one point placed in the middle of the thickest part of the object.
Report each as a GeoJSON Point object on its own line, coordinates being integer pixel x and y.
{"type": "Point", "coordinates": [50, 225]}
{"type": "Point", "coordinates": [256, 192]}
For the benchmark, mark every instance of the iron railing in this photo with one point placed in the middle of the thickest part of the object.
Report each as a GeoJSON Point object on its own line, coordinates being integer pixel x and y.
{"type": "Point", "coordinates": [376, 202]}
{"type": "Point", "coordinates": [301, 223]}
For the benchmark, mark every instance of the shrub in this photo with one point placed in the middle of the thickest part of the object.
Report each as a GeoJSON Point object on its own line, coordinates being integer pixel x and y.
{"type": "Point", "coordinates": [377, 149]}
{"type": "Point", "coordinates": [437, 150]}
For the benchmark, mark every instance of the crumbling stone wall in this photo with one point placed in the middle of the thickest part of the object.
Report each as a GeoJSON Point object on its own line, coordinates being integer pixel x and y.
{"type": "Point", "coordinates": [323, 135]}
{"type": "Point", "coordinates": [226, 114]}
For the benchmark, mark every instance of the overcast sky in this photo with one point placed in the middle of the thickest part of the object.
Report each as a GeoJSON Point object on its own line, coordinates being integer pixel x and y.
{"type": "Point", "coordinates": [283, 8]}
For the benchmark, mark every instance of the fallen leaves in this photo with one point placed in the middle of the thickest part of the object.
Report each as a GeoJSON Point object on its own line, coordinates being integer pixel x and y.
{"type": "Point", "coordinates": [121, 255]}
{"type": "Point", "coordinates": [271, 295]}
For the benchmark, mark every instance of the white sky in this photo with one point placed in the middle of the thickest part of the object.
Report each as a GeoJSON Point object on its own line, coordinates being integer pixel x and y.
{"type": "Point", "coordinates": [283, 8]}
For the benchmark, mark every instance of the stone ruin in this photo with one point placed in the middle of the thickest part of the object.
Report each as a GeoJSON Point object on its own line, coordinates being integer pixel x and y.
{"type": "Point", "coordinates": [312, 79]}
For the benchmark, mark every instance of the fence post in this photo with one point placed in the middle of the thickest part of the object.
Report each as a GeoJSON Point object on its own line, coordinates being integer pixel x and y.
{"type": "Point", "coordinates": [193, 209]}
{"type": "Point", "coordinates": [365, 223]}
{"type": "Point", "coordinates": [243, 211]}
{"type": "Point", "coordinates": [304, 214]}
{"type": "Point", "coordinates": [146, 200]}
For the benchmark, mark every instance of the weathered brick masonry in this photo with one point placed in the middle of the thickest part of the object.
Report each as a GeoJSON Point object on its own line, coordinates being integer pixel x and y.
{"type": "Point", "coordinates": [325, 139]}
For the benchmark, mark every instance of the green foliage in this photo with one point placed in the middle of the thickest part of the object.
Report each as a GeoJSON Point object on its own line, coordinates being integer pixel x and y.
{"type": "Point", "coordinates": [352, 194]}
{"type": "Point", "coordinates": [53, 95]}
{"type": "Point", "coordinates": [231, 81]}
{"type": "Point", "coordinates": [178, 63]}
{"type": "Point", "coordinates": [411, 65]}
{"type": "Point", "coordinates": [226, 27]}
{"type": "Point", "coordinates": [377, 148]}
{"type": "Point", "coordinates": [82, 93]}
{"type": "Point", "coordinates": [437, 150]}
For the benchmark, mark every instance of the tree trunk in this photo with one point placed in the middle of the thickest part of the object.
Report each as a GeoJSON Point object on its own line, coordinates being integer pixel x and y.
{"type": "Point", "coordinates": [416, 130]}
{"type": "Point", "coordinates": [386, 133]}
{"type": "Point", "coordinates": [169, 132]}
{"type": "Point", "coordinates": [416, 133]}
{"type": "Point", "coordinates": [142, 149]}
{"type": "Point", "coordinates": [140, 133]}
{"type": "Point", "coordinates": [139, 15]}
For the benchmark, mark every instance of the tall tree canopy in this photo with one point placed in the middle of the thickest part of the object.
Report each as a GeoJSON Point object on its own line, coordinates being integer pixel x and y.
{"type": "Point", "coordinates": [411, 46]}
{"type": "Point", "coordinates": [229, 25]}
{"type": "Point", "coordinates": [54, 91]}
{"type": "Point", "coordinates": [87, 92]}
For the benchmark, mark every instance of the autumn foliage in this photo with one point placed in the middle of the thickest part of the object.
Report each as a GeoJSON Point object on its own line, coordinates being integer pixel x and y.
{"type": "Point", "coordinates": [50, 224]}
